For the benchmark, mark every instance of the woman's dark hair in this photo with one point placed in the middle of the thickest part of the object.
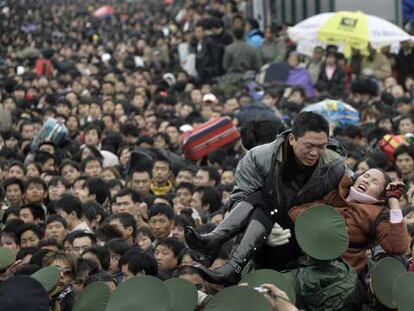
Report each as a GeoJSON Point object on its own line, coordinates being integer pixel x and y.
{"type": "Point", "coordinates": [255, 133]}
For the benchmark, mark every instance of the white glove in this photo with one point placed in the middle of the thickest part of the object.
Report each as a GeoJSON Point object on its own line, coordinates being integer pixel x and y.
{"type": "Point", "coordinates": [201, 297]}
{"type": "Point", "coordinates": [278, 236]}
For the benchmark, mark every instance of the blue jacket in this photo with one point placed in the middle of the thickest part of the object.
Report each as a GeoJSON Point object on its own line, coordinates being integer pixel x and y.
{"type": "Point", "coordinates": [254, 38]}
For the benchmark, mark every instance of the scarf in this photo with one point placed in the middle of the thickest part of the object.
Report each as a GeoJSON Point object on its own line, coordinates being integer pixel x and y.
{"type": "Point", "coordinates": [360, 197]}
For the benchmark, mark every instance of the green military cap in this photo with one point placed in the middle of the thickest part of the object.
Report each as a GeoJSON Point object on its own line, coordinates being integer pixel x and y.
{"type": "Point", "coordinates": [7, 258]}
{"type": "Point", "coordinates": [141, 293]}
{"type": "Point", "coordinates": [183, 294]}
{"type": "Point", "coordinates": [259, 277]}
{"type": "Point", "coordinates": [383, 276]}
{"type": "Point", "coordinates": [48, 277]}
{"type": "Point", "coordinates": [403, 290]}
{"type": "Point", "coordinates": [238, 298]}
{"type": "Point", "coordinates": [321, 232]}
{"type": "Point", "coordinates": [93, 297]}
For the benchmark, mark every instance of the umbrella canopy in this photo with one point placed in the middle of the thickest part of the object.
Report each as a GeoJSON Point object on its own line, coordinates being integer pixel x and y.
{"type": "Point", "coordinates": [352, 29]}
{"type": "Point", "coordinates": [336, 112]}
{"type": "Point", "coordinates": [104, 11]}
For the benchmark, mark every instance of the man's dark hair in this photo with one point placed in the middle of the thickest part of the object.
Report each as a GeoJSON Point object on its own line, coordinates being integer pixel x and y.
{"type": "Point", "coordinates": [36, 210]}
{"type": "Point", "coordinates": [50, 242]}
{"type": "Point", "coordinates": [69, 203]}
{"type": "Point", "coordinates": [106, 232]}
{"type": "Point", "coordinates": [99, 188]}
{"type": "Point", "coordinates": [14, 181]}
{"type": "Point", "coordinates": [161, 209]}
{"type": "Point", "coordinates": [210, 196]}
{"type": "Point", "coordinates": [185, 185]}
{"type": "Point", "coordinates": [118, 246]}
{"type": "Point", "coordinates": [54, 181]}
{"type": "Point", "coordinates": [53, 218]}
{"type": "Point", "coordinates": [90, 159]}
{"type": "Point", "coordinates": [93, 126]}
{"type": "Point", "coordinates": [19, 164]}
{"type": "Point", "coordinates": [403, 149]}
{"type": "Point", "coordinates": [238, 33]}
{"type": "Point", "coordinates": [135, 197]}
{"type": "Point", "coordinates": [172, 244]}
{"type": "Point", "coordinates": [81, 234]}
{"type": "Point", "coordinates": [102, 253]}
{"type": "Point", "coordinates": [185, 270]}
{"type": "Point", "coordinates": [66, 162]}
{"type": "Point", "coordinates": [138, 261]}
{"type": "Point", "coordinates": [36, 181]}
{"type": "Point", "coordinates": [89, 210]}
{"type": "Point", "coordinates": [212, 174]}
{"type": "Point", "coordinates": [36, 229]}
{"type": "Point", "coordinates": [127, 220]}
{"type": "Point", "coordinates": [42, 157]}
{"type": "Point", "coordinates": [309, 122]}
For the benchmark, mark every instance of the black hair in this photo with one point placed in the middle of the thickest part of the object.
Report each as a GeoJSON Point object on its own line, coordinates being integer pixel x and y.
{"type": "Point", "coordinates": [185, 185]}
{"type": "Point", "coordinates": [161, 209]}
{"type": "Point", "coordinates": [136, 198]}
{"type": "Point", "coordinates": [53, 218]}
{"type": "Point", "coordinates": [42, 157]}
{"type": "Point", "coordinates": [238, 33]}
{"type": "Point", "coordinates": [14, 181]}
{"type": "Point", "coordinates": [93, 126]}
{"type": "Point", "coordinates": [172, 244]}
{"type": "Point", "coordinates": [82, 234]}
{"type": "Point", "coordinates": [127, 220]}
{"type": "Point", "coordinates": [185, 270]}
{"type": "Point", "coordinates": [24, 251]}
{"type": "Point", "coordinates": [36, 229]}
{"type": "Point", "coordinates": [36, 210]}
{"type": "Point", "coordinates": [89, 210]}
{"type": "Point", "coordinates": [118, 246]}
{"type": "Point", "coordinates": [138, 261]}
{"type": "Point", "coordinates": [50, 242]}
{"type": "Point", "coordinates": [196, 256]}
{"type": "Point", "coordinates": [101, 276]}
{"type": "Point", "coordinates": [86, 265]}
{"type": "Point", "coordinates": [54, 181]}
{"type": "Point", "coordinates": [210, 196]}
{"type": "Point", "coordinates": [147, 232]}
{"type": "Point", "coordinates": [183, 221]}
{"type": "Point", "coordinates": [66, 162]}
{"type": "Point", "coordinates": [10, 211]}
{"type": "Point", "coordinates": [106, 233]}
{"type": "Point", "coordinates": [309, 122]}
{"type": "Point", "coordinates": [258, 132]}
{"type": "Point", "coordinates": [19, 164]}
{"type": "Point", "coordinates": [212, 173]}
{"type": "Point", "coordinates": [102, 253]}
{"type": "Point", "coordinates": [36, 181]}
{"type": "Point", "coordinates": [403, 149]}
{"type": "Point", "coordinates": [99, 188]}
{"type": "Point", "coordinates": [69, 203]}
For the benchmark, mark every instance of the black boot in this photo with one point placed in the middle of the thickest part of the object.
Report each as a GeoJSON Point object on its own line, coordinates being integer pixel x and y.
{"type": "Point", "coordinates": [230, 273]}
{"type": "Point", "coordinates": [210, 243]}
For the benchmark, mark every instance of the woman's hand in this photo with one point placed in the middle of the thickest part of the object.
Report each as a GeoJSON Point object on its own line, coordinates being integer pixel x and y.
{"type": "Point", "coordinates": [394, 190]}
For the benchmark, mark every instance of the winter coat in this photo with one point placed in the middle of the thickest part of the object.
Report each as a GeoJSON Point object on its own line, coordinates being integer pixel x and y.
{"type": "Point", "coordinates": [334, 86]}
{"type": "Point", "coordinates": [240, 57]}
{"type": "Point", "coordinates": [254, 38]}
{"type": "Point", "coordinates": [364, 224]}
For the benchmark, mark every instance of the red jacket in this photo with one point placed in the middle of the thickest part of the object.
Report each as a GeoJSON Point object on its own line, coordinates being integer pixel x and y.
{"type": "Point", "coordinates": [360, 219]}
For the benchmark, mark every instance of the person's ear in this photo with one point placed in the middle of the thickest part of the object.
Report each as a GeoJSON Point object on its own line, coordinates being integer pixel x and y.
{"type": "Point", "coordinates": [172, 224]}
{"type": "Point", "coordinates": [130, 230]}
{"type": "Point", "coordinates": [291, 139]}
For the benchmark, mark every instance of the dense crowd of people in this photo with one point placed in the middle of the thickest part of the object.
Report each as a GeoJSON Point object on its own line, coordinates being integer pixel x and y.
{"type": "Point", "coordinates": [118, 197]}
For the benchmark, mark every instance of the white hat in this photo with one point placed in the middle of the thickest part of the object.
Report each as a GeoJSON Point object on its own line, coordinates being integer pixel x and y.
{"type": "Point", "coordinates": [210, 97]}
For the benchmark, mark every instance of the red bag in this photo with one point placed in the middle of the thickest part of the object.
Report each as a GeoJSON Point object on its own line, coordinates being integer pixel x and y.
{"type": "Point", "coordinates": [208, 137]}
{"type": "Point", "coordinates": [43, 67]}
{"type": "Point", "coordinates": [389, 143]}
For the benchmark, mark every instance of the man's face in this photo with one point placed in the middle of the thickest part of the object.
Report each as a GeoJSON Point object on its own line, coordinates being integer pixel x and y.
{"type": "Point", "coordinates": [56, 230]}
{"type": "Point", "coordinates": [309, 148]}
{"type": "Point", "coordinates": [196, 202]}
{"type": "Point", "coordinates": [28, 239]}
{"type": "Point", "coordinates": [184, 176]}
{"type": "Point", "coordinates": [161, 172]}
{"type": "Point", "coordinates": [165, 258]}
{"type": "Point", "coordinates": [81, 244]}
{"type": "Point", "coordinates": [14, 194]}
{"type": "Point", "coordinates": [195, 279]}
{"type": "Point", "coordinates": [405, 164]}
{"type": "Point", "coordinates": [227, 178]}
{"type": "Point", "coordinates": [184, 196]}
{"type": "Point", "coordinates": [124, 204]}
{"type": "Point", "coordinates": [56, 190]}
{"type": "Point", "coordinates": [93, 169]}
{"type": "Point", "coordinates": [126, 273]}
{"type": "Point", "coordinates": [27, 132]}
{"type": "Point", "coordinates": [35, 193]}
{"type": "Point", "coordinates": [202, 179]}
{"type": "Point", "coordinates": [161, 226]}
{"type": "Point", "coordinates": [26, 215]}
{"type": "Point", "coordinates": [406, 126]}
{"type": "Point", "coordinates": [141, 182]}
{"type": "Point", "coordinates": [70, 173]}
{"type": "Point", "coordinates": [173, 134]}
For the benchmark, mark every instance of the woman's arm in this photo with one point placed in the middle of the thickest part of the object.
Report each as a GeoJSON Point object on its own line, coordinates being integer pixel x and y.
{"type": "Point", "coordinates": [392, 233]}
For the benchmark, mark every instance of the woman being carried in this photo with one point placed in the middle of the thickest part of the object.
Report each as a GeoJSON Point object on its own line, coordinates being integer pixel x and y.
{"type": "Point", "coordinates": [371, 211]}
